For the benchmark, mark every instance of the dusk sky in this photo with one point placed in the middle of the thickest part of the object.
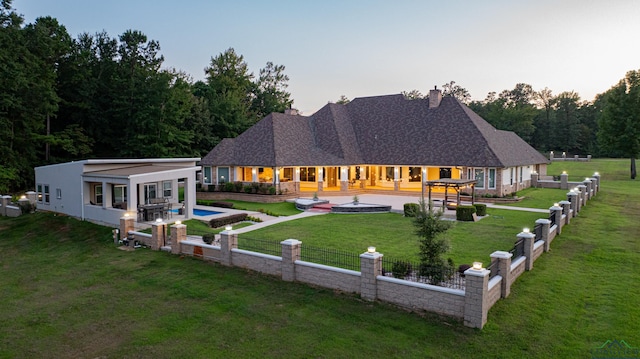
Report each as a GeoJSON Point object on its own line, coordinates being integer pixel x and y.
{"type": "Point", "coordinates": [367, 48]}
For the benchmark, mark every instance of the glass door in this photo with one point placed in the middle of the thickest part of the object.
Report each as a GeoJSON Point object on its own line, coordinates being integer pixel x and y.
{"type": "Point", "coordinates": [150, 191]}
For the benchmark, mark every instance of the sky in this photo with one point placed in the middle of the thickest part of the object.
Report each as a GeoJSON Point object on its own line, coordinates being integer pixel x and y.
{"type": "Point", "coordinates": [360, 48]}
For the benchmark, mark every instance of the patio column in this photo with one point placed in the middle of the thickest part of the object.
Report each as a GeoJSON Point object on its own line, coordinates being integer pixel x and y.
{"type": "Point", "coordinates": [344, 178]}
{"type": "Point", "coordinates": [320, 180]}
{"type": "Point", "coordinates": [363, 177]}
{"type": "Point", "coordinates": [189, 194]}
{"type": "Point", "coordinates": [396, 178]}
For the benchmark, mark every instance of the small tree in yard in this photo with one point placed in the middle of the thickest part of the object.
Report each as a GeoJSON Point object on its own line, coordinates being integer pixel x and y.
{"type": "Point", "coordinates": [429, 226]}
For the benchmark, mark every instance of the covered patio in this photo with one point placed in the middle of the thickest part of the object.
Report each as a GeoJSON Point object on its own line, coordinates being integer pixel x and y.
{"type": "Point", "coordinates": [455, 184]}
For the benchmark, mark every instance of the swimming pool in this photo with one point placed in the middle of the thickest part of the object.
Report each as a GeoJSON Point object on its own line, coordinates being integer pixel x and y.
{"type": "Point", "coordinates": [200, 212]}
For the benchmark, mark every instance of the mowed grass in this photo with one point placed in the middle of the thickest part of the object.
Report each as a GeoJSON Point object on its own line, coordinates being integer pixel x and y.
{"type": "Point", "coordinates": [67, 292]}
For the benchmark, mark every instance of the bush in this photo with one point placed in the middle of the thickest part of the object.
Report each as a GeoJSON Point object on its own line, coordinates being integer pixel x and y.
{"type": "Point", "coordinates": [238, 186]}
{"type": "Point", "coordinates": [229, 187]}
{"type": "Point", "coordinates": [401, 269]}
{"type": "Point", "coordinates": [208, 238]}
{"type": "Point", "coordinates": [410, 209]}
{"type": "Point", "coordinates": [465, 213]}
{"type": "Point", "coordinates": [234, 218]}
{"type": "Point", "coordinates": [248, 189]}
{"type": "Point", "coordinates": [481, 209]}
{"type": "Point", "coordinates": [272, 190]}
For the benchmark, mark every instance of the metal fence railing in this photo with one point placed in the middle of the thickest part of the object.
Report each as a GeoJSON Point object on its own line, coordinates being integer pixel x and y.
{"type": "Point", "coordinates": [537, 230]}
{"type": "Point", "coordinates": [330, 257]}
{"type": "Point", "coordinates": [518, 249]}
{"type": "Point", "coordinates": [266, 246]}
{"type": "Point", "coordinates": [552, 218]}
{"type": "Point", "coordinates": [493, 268]}
{"type": "Point", "coordinates": [414, 271]}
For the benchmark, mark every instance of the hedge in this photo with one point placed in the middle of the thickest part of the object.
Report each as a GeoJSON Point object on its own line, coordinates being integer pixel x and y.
{"type": "Point", "coordinates": [465, 213]}
{"type": "Point", "coordinates": [234, 218]}
{"type": "Point", "coordinates": [481, 209]}
{"type": "Point", "coordinates": [410, 209]}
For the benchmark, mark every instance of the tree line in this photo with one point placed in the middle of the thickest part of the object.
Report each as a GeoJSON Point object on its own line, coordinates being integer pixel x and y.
{"type": "Point", "coordinates": [96, 96]}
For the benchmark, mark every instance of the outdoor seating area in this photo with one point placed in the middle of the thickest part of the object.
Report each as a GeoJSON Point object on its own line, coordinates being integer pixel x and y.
{"type": "Point", "coordinates": [156, 208]}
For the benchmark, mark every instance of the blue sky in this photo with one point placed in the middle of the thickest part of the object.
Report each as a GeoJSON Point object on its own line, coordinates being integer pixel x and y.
{"type": "Point", "coordinates": [366, 48]}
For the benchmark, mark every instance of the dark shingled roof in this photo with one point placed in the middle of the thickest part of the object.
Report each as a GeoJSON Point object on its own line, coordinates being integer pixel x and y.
{"type": "Point", "coordinates": [380, 130]}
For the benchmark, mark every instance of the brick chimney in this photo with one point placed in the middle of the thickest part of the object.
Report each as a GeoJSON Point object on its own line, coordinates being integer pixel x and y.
{"type": "Point", "coordinates": [290, 111]}
{"type": "Point", "coordinates": [435, 96]}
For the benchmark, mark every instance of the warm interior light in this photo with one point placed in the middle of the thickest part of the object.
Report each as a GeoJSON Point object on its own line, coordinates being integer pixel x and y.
{"type": "Point", "coordinates": [228, 228]}
{"type": "Point", "coordinates": [525, 230]}
{"type": "Point", "coordinates": [371, 249]}
{"type": "Point", "coordinates": [477, 265]}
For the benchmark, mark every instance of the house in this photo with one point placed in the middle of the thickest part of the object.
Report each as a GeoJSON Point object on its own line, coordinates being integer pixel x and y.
{"type": "Point", "coordinates": [103, 190]}
{"type": "Point", "coordinates": [385, 143]}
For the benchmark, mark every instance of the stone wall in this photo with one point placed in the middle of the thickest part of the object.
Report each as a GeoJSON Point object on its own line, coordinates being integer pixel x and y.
{"type": "Point", "coordinates": [419, 296]}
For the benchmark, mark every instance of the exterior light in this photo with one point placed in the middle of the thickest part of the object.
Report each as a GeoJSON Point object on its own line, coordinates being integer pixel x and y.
{"type": "Point", "coordinates": [158, 220]}
{"type": "Point", "coordinates": [596, 174]}
{"type": "Point", "coordinates": [587, 179]}
{"type": "Point", "coordinates": [371, 250]}
{"type": "Point", "coordinates": [556, 205]}
{"type": "Point", "coordinates": [126, 214]}
{"type": "Point", "coordinates": [178, 222]}
{"type": "Point", "coordinates": [564, 172]}
{"type": "Point", "coordinates": [228, 228]}
{"type": "Point", "coordinates": [23, 197]}
{"type": "Point", "coordinates": [477, 266]}
{"type": "Point", "coordinates": [525, 230]}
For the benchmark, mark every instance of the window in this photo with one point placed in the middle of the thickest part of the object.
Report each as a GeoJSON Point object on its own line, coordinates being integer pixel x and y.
{"type": "Point", "coordinates": [445, 172]}
{"type": "Point", "coordinates": [479, 176]}
{"type": "Point", "coordinates": [97, 195]}
{"type": "Point", "coordinates": [521, 168]}
{"type": "Point", "coordinates": [207, 175]}
{"type": "Point", "coordinates": [166, 189]}
{"type": "Point", "coordinates": [58, 193]}
{"type": "Point", "coordinates": [223, 174]}
{"type": "Point", "coordinates": [119, 193]}
{"type": "Point", "coordinates": [492, 178]}
{"type": "Point", "coordinates": [511, 176]}
{"type": "Point", "coordinates": [287, 174]}
{"type": "Point", "coordinates": [389, 171]}
{"type": "Point", "coordinates": [307, 174]}
{"type": "Point", "coordinates": [39, 192]}
{"type": "Point", "coordinates": [415, 174]}
{"type": "Point", "coordinates": [46, 194]}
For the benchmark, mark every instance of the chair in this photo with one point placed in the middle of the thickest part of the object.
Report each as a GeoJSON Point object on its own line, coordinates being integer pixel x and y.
{"type": "Point", "coordinates": [140, 214]}
{"type": "Point", "coordinates": [167, 210]}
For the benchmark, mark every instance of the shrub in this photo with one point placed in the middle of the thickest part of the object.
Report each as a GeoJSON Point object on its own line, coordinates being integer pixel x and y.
{"type": "Point", "coordinates": [238, 186]}
{"type": "Point", "coordinates": [481, 209]}
{"type": "Point", "coordinates": [462, 268]}
{"type": "Point", "coordinates": [253, 219]}
{"type": "Point", "coordinates": [465, 213]}
{"type": "Point", "coordinates": [231, 219]}
{"type": "Point", "coordinates": [272, 190]}
{"type": "Point", "coordinates": [229, 187]}
{"type": "Point", "coordinates": [248, 189]}
{"type": "Point", "coordinates": [208, 238]}
{"type": "Point", "coordinates": [401, 269]}
{"type": "Point", "coordinates": [221, 204]}
{"type": "Point", "coordinates": [410, 209]}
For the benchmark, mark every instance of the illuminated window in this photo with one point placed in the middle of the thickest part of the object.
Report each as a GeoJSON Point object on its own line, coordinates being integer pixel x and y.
{"type": "Point", "coordinates": [415, 174]}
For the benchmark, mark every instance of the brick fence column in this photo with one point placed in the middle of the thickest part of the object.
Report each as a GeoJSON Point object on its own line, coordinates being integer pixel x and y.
{"type": "Point", "coordinates": [370, 268]}
{"type": "Point", "coordinates": [158, 235]}
{"type": "Point", "coordinates": [290, 254]}
{"type": "Point", "coordinates": [555, 211]}
{"type": "Point", "coordinates": [32, 196]}
{"type": "Point", "coordinates": [228, 241]}
{"type": "Point", "coordinates": [589, 188]}
{"type": "Point", "coordinates": [564, 181]}
{"type": "Point", "coordinates": [596, 178]}
{"type": "Point", "coordinates": [476, 297]}
{"type": "Point", "coordinates": [545, 224]}
{"type": "Point", "coordinates": [529, 238]}
{"type": "Point", "coordinates": [178, 234]}
{"type": "Point", "coordinates": [504, 270]}
{"type": "Point", "coordinates": [566, 210]}
{"type": "Point", "coordinates": [583, 194]}
{"type": "Point", "coordinates": [5, 202]}
{"type": "Point", "coordinates": [126, 225]}
{"type": "Point", "coordinates": [534, 179]}
{"type": "Point", "coordinates": [572, 197]}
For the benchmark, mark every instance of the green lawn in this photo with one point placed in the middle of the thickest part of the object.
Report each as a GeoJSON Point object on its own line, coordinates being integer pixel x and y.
{"type": "Point", "coordinates": [67, 292]}
{"type": "Point", "coordinates": [275, 209]}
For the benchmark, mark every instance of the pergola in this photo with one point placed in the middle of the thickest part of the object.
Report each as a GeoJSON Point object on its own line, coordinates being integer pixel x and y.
{"type": "Point", "coordinates": [451, 183]}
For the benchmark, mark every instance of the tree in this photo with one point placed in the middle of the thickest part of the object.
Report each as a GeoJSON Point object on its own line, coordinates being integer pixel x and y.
{"type": "Point", "coordinates": [343, 100]}
{"type": "Point", "coordinates": [270, 91]}
{"type": "Point", "coordinates": [619, 133]}
{"type": "Point", "coordinates": [566, 127]}
{"type": "Point", "coordinates": [429, 227]}
{"type": "Point", "coordinates": [453, 90]}
{"type": "Point", "coordinates": [413, 95]}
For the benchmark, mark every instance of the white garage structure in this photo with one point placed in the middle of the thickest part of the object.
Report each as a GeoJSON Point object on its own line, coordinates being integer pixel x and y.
{"type": "Point", "coordinates": [103, 190]}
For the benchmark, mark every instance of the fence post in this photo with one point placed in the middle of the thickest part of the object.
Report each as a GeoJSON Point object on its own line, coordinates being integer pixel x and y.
{"type": "Point", "coordinates": [476, 297]}
{"type": "Point", "coordinates": [545, 223]}
{"type": "Point", "coordinates": [504, 270]}
{"type": "Point", "coordinates": [566, 211]}
{"type": "Point", "coordinates": [572, 197]}
{"type": "Point", "coordinates": [528, 238]}
{"type": "Point", "coordinates": [555, 211]}
{"type": "Point", "coordinates": [126, 225]}
{"type": "Point", "coordinates": [534, 179]}
{"type": "Point", "coordinates": [370, 268]}
{"type": "Point", "coordinates": [32, 196]}
{"type": "Point", "coordinates": [583, 194]}
{"type": "Point", "coordinates": [158, 235]}
{"type": "Point", "coordinates": [564, 181]}
{"type": "Point", "coordinates": [178, 234]}
{"type": "Point", "coordinates": [290, 254]}
{"type": "Point", "coordinates": [5, 202]}
{"type": "Point", "coordinates": [589, 188]}
{"type": "Point", "coordinates": [228, 241]}
{"type": "Point", "coordinates": [596, 178]}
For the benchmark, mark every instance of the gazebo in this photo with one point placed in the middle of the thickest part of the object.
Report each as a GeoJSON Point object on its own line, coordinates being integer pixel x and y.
{"type": "Point", "coordinates": [451, 183]}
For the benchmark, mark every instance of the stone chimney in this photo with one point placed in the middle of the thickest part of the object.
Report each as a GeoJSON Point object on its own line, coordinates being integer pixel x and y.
{"type": "Point", "coordinates": [290, 111]}
{"type": "Point", "coordinates": [435, 96]}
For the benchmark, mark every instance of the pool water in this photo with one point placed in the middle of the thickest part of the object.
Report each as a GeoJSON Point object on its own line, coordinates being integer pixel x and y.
{"type": "Point", "coordinates": [200, 212]}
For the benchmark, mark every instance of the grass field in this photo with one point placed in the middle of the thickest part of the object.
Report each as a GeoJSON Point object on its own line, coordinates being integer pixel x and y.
{"type": "Point", "coordinates": [67, 292]}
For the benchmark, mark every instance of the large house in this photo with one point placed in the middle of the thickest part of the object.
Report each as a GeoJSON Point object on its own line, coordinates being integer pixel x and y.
{"type": "Point", "coordinates": [104, 190]}
{"type": "Point", "coordinates": [386, 143]}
